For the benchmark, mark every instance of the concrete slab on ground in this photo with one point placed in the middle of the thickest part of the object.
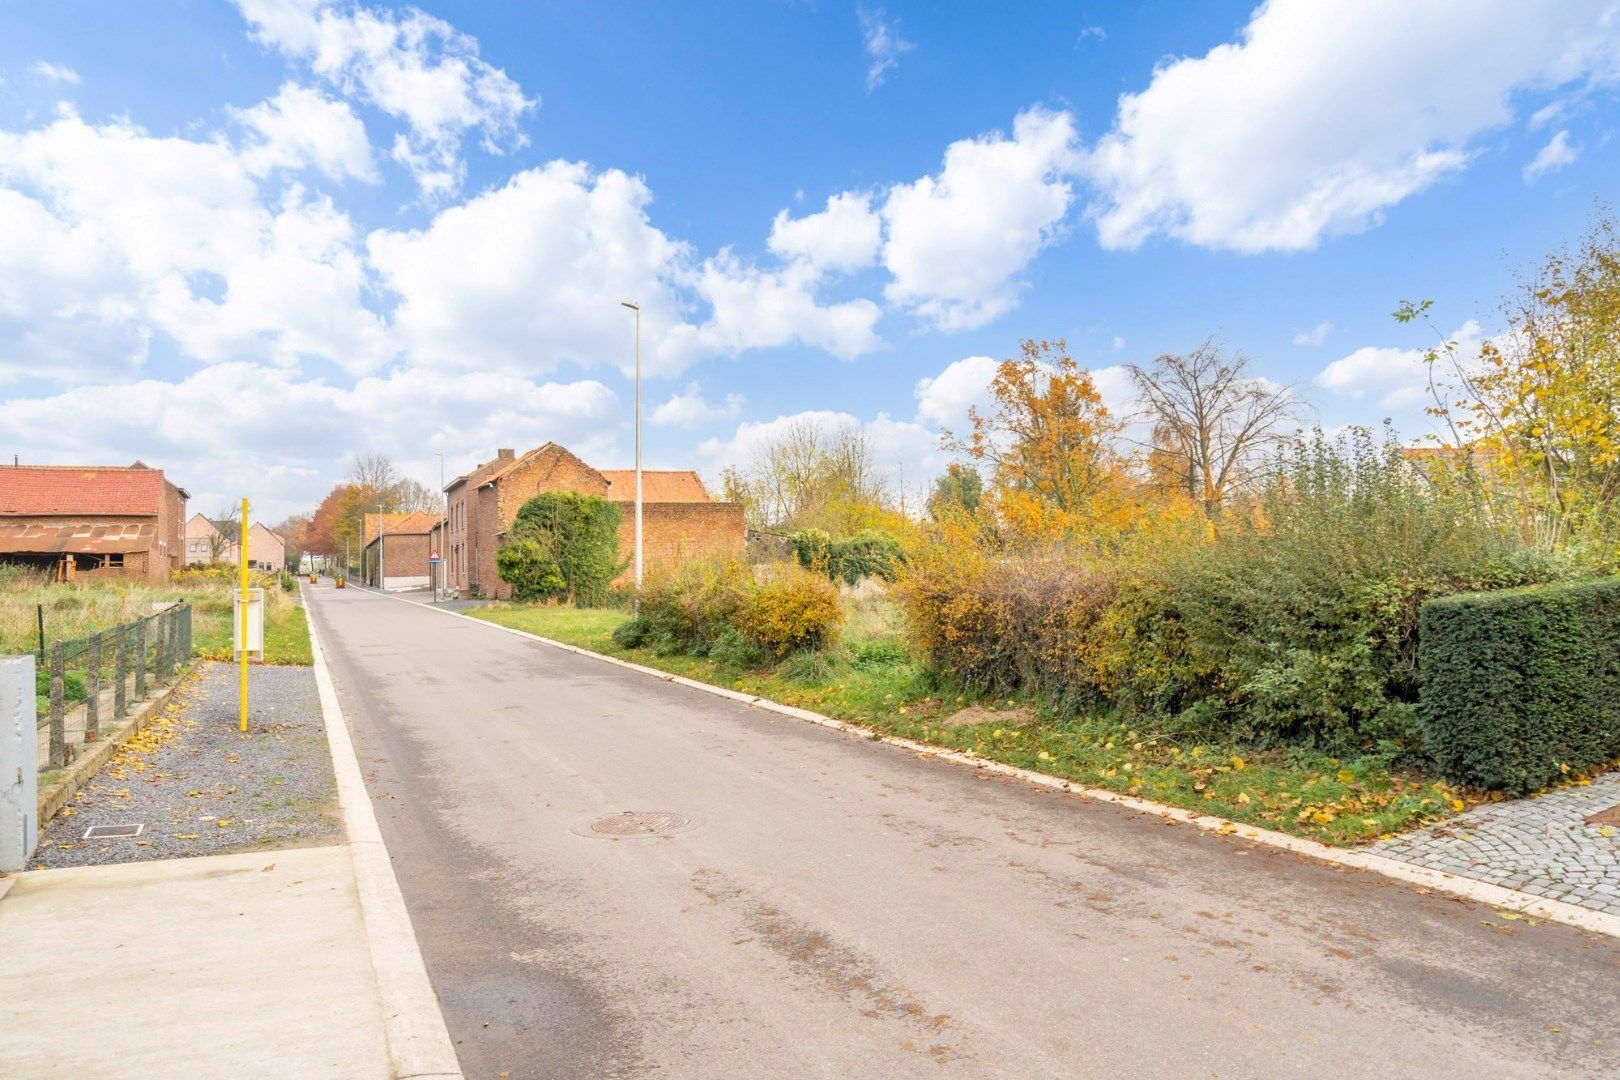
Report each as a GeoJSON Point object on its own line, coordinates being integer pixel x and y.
{"type": "Point", "coordinates": [268, 974]}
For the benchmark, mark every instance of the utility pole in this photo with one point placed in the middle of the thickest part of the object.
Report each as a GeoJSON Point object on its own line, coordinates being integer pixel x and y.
{"type": "Point", "coordinates": [637, 309]}
{"type": "Point", "coordinates": [242, 655]}
{"type": "Point", "coordinates": [444, 529]}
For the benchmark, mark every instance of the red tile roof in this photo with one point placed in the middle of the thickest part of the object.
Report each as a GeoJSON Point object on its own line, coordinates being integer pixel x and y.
{"type": "Point", "coordinates": [79, 491]}
{"type": "Point", "coordinates": [657, 485]}
{"type": "Point", "coordinates": [415, 523]}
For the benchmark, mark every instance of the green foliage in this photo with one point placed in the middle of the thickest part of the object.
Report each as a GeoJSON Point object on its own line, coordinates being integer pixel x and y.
{"type": "Point", "coordinates": [1305, 616]}
{"type": "Point", "coordinates": [562, 545]}
{"type": "Point", "coordinates": [958, 492]}
{"type": "Point", "coordinates": [529, 566]}
{"type": "Point", "coordinates": [1523, 686]}
{"type": "Point", "coordinates": [73, 684]}
{"type": "Point", "coordinates": [868, 553]}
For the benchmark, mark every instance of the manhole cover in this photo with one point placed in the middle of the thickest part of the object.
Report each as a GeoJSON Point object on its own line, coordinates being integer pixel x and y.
{"type": "Point", "coordinates": [633, 823]}
{"type": "Point", "coordinates": [1611, 816]}
{"type": "Point", "coordinates": [107, 832]}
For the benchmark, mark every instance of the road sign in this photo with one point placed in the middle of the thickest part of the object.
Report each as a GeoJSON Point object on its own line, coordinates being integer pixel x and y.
{"type": "Point", "coordinates": [433, 557]}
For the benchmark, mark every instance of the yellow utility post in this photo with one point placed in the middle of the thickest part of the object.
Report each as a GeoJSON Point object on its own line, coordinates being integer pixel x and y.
{"type": "Point", "coordinates": [242, 552]}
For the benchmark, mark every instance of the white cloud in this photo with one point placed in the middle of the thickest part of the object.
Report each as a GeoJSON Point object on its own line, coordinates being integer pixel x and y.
{"type": "Point", "coordinates": [1118, 343]}
{"type": "Point", "coordinates": [883, 43]}
{"type": "Point", "coordinates": [529, 275]}
{"type": "Point", "coordinates": [1399, 378]}
{"type": "Point", "coordinates": [410, 65]}
{"type": "Point", "coordinates": [687, 409]}
{"type": "Point", "coordinates": [215, 430]}
{"type": "Point", "coordinates": [301, 127]}
{"type": "Point", "coordinates": [843, 237]}
{"type": "Point", "coordinates": [1550, 158]}
{"type": "Point", "coordinates": [944, 399]}
{"type": "Point", "coordinates": [906, 453]}
{"type": "Point", "coordinates": [1315, 335]}
{"type": "Point", "coordinates": [56, 72]}
{"type": "Point", "coordinates": [1092, 32]}
{"type": "Point", "coordinates": [108, 234]}
{"type": "Point", "coordinates": [957, 242]}
{"type": "Point", "coordinates": [1328, 112]}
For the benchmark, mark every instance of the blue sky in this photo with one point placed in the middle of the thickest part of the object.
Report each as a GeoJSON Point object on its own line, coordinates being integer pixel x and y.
{"type": "Point", "coordinates": [247, 241]}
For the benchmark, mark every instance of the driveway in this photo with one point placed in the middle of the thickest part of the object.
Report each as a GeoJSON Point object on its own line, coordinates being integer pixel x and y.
{"type": "Point", "coordinates": [838, 907]}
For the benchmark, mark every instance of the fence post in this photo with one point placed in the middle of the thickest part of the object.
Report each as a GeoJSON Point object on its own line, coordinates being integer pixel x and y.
{"type": "Point", "coordinates": [185, 645]}
{"type": "Point", "coordinates": [19, 761]}
{"type": "Point", "coordinates": [120, 688]}
{"type": "Point", "coordinates": [39, 614]}
{"type": "Point", "coordinates": [140, 660]}
{"type": "Point", "coordinates": [58, 729]}
{"type": "Point", "coordinates": [92, 689]}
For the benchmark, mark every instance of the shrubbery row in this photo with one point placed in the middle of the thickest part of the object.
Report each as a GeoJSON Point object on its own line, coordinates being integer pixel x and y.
{"type": "Point", "coordinates": [720, 609]}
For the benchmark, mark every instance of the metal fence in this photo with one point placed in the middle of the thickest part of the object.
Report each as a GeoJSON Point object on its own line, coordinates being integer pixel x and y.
{"type": "Point", "coordinates": [86, 682]}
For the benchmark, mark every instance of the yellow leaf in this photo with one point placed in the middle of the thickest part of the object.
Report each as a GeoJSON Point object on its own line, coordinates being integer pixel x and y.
{"type": "Point", "coordinates": [1242, 798]}
{"type": "Point", "coordinates": [1346, 776]}
{"type": "Point", "coordinates": [1239, 764]}
{"type": "Point", "coordinates": [1227, 829]}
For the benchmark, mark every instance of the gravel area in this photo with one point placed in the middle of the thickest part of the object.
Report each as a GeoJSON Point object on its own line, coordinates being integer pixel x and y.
{"type": "Point", "coordinates": [200, 787]}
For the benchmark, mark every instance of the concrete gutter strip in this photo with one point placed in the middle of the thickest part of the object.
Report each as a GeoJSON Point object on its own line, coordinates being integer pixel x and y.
{"type": "Point", "coordinates": [1496, 896]}
{"type": "Point", "coordinates": [95, 755]}
{"type": "Point", "coordinates": [418, 1042]}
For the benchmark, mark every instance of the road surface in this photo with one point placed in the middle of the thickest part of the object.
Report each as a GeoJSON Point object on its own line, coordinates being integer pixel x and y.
{"type": "Point", "coordinates": [843, 908]}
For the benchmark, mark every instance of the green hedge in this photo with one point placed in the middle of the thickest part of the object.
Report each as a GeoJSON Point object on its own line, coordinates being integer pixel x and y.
{"type": "Point", "coordinates": [1519, 685]}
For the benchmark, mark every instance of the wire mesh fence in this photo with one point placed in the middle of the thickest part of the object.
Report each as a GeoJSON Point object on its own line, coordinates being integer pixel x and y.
{"type": "Point", "coordinates": [84, 683]}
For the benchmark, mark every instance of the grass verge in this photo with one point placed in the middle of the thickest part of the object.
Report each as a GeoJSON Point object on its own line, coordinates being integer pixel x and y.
{"type": "Point", "coordinates": [286, 636]}
{"type": "Point", "coordinates": [1339, 801]}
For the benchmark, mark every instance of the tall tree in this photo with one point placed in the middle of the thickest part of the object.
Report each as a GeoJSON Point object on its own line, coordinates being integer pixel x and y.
{"type": "Point", "coordinates": [1213, 425]}
{"type": "Point", "coordinates": [1048, 438]}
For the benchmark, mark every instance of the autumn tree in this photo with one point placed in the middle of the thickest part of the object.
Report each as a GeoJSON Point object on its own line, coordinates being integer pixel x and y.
{"type": "Point", "coordinates": [1537, 411]}
{"type": "Point", "coordinates": [1213, 425]}
{"type": "Point", "coordinates": [1048, 439]}
{"type": "Point", "coordinates": [294, 532]}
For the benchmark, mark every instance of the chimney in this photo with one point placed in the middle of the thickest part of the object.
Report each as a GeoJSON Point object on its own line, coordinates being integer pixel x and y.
{"type": "Point", "coordinates": [505, 455]}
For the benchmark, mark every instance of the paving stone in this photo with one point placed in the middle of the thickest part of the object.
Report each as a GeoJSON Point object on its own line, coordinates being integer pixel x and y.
{"type": "Point", "coordinates": [1540, 845]}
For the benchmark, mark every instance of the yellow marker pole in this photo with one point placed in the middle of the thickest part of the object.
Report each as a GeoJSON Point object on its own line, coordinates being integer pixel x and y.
{"type": "Point", "coordinates": [242, 552]}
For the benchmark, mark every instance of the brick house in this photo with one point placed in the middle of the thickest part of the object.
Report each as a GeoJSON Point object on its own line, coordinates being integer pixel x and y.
{"type": "Point", "coordinates": [207, 544]}
{"type": "Point", "coordinates": [679, 519]}
{"type": "Point", "coordinates": [93, 521]}
{"type": "Point", "coordinates": [395, 555]}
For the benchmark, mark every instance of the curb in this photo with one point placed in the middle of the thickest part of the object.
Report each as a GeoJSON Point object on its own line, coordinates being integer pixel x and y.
{"type": "Point", "coordinates": [88, 763]}
{"type": "Point", "coordinates": [413, 1026]}
{"type": "Point", "coordinates": [1497, 896]}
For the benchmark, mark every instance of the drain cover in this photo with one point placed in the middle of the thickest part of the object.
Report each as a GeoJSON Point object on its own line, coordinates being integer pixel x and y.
{"type": "Point", "coordinates": [637, 823]}
{"type": "Point", "coordinates": [107, 832]}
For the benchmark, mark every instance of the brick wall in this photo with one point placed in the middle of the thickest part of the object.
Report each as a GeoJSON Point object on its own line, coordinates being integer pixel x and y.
{"type": "Point", "coordinates": [672, 533]}
{"type": "Point", "coordinates": [551, 469]}
{"type": "Point", "coordinates": [169, 553]}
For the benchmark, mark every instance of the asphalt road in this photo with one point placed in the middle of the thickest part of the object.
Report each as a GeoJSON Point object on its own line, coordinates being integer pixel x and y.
{"type": "Point", "coordinates": [842, 908]}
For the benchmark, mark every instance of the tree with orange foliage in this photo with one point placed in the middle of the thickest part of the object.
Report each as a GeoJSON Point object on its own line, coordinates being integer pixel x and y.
{"type": "Point", "coordinates": [1050, 442]}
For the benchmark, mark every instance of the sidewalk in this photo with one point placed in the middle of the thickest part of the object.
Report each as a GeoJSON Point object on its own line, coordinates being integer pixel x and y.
{"type": "Point", "coordinates": [278, 961]}
{"type": "Point", "coordinates": [249, 965]}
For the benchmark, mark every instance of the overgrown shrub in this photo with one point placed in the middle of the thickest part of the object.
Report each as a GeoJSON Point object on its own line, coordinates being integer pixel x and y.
{"type": "Point", "coordinates": [715, 608]}
{"type": "Point", "coordinates": [999, 625]}
{"type": "Point", "coordinates": [562, 545]}
{"type": "Point", "coordinates": [1522, 686]}
{"type": "Point", "coordinates": [791, 612]}
{"type": "Point", "coordinates": [1304, 615]}
{"type": "Point", "coordinates": [868, 553]}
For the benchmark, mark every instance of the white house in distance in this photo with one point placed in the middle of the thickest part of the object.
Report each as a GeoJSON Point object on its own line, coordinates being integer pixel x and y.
{"type": "Point", "coordinates": [206, 545]}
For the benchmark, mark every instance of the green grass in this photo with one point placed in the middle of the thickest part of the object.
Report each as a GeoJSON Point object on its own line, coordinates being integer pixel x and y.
{"type": "Point", "coordinates": [286, 636]}
{"type": "Point", "coordinates": [870, 682]}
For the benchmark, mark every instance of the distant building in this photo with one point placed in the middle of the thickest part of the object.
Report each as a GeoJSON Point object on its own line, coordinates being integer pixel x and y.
{"type": "Point", "coordinates": [679, 519]}
{"type": "Point", "coordinates": [395, 553]}
{"type": "Point", "coordinates": [210, 542]}
{"type": "Point", "coordinates": [266, 548]}
{"type": "Point", "coordinates": [92, 521]}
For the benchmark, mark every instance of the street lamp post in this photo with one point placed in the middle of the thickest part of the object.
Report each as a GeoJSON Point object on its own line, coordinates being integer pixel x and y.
{"type": "Point", "coordinates": [444, 530]}
{"type": "Point", "coordinates": [637, 309]}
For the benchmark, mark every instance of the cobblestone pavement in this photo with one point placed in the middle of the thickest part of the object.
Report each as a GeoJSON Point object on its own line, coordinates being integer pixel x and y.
{"type": "Point", "coordinates": [1540, 845]}
{"type": "Point", "coordinates": [199, 786]}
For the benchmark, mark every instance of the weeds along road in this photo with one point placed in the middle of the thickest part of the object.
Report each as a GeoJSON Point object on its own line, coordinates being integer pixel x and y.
{"type": "Point", "coordinates": [842, 908]}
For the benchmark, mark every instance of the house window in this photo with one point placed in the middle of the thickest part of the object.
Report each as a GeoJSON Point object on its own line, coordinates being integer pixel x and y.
{"type": "Point", "coordinates": [116, 560]}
